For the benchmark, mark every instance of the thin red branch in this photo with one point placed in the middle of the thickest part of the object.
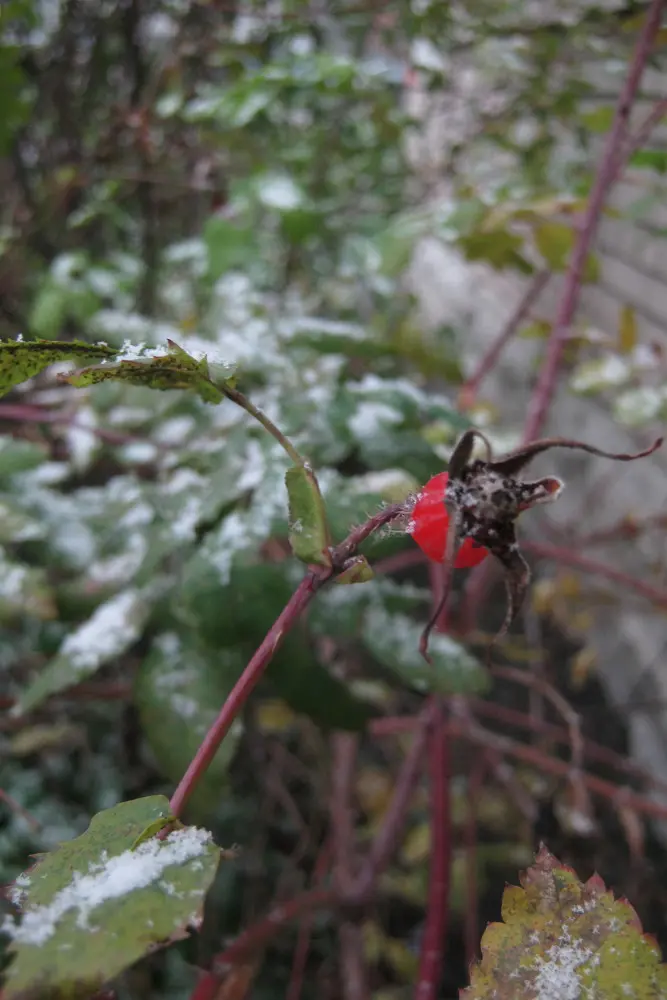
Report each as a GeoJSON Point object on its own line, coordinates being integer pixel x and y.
{"type": "Point", "coordinates": [487, 363]}
{"type": "Point", "coordinates": [344, 747]}
{"type": "Point", "coordinates": [305, 928]}
{"type": "Point", "coordinates": [639, 138]}
{"type": "Point", "coordinates": [388, 836]}
{"type": "Point", "coordinates": [435, 930]}
{"type": "Point", "coordinates": [605, 176]}
{"type": "Point", "coordinates": [243, 689]}
{"type": "Point", "coordinates": [256, 937]}
{"type": "Point", "coordinates": [569, 557]}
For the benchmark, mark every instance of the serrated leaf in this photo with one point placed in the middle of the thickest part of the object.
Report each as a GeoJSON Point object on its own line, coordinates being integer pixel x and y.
{"type": "Point", "coordinates": [173, 370]}
{"type": "Point", "coordinates": [112, 629]}
{"type": "Point", "coordinates": [393, 639]}
{"type": "Point", "coordinates": [23, 359]}
{"type": "Point", "coordinates": [627, 330]}
{"type": "Point", "coordinates": [308, 530]}
{"type": "Point", "coordinates": [96, 904]}
{"type": "Point", "coordinates": [179, 690]}
{"type": "Point", "coordinates": [358, 570]}
{"type": "Point", "coordinates": [564, 939]}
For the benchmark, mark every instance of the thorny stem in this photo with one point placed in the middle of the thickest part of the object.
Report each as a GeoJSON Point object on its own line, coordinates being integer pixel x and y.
{"type": "Point", "coordinates": [470, 388]}
{"type": "Point", "coordinates": [606, 174]}
{"type": "Point", "coordinates": [435, 931]}
{"type": "Point", "coordinates": [253, 672]}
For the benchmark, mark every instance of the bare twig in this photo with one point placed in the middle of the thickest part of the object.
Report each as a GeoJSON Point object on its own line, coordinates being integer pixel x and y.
{"type": "Point", "coordinates": [606, 174]}
{"type": "Point", "coordinates": [487, 363]}
{"type": "Point", "coordinates": [435, 930]}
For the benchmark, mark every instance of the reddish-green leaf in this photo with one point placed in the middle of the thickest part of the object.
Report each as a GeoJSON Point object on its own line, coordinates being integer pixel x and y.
{"type": "Point", "coordinates": [564, 940]}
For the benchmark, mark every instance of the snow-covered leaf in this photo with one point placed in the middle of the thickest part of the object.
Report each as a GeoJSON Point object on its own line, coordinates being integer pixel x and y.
{"type": "Point", "coordinates": [98, 903]}
{"type": "Point", "coordinates": [22, 359]}
{"type": "Point", "coordinates": [179, 691]}
{"type": "Point", "coordinates": [24, 590]}
{"type": "Point", "coordinates": [565, 940]}
{"type": "Point", "coordinates": [602, 373]}
{"type": "Point", "coordinates": [112, 629]}
{"type": "Point", "coordinates": [169, 367]}
{"type": "Point", "coordinates": [393, 639]}
{"type": "Point", "coordinates": [636, 407]}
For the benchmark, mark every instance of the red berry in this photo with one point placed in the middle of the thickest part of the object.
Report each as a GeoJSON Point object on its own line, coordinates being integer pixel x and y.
{"type": "Point", "coordinates": [429, 524]}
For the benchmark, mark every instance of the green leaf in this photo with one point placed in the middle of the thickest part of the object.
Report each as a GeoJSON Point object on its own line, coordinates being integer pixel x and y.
{"type": "Point", "coordinates": [97, 904]}
{"type": "Point", "coordinates": [650, 159]}
{"type": "Point", "coordinates": [308, 530]}
{"type": "Point", "coordinates": [499, 248]}
{"type": "Point", "coordinates": [174, 370]}
{"type": "Point", "coordinates": [15, 525]}
{"type": "Point", "coordinates": [113, 628]}
{"type": "Point", "coordinates": [179, 690]}
{"type": "Point", "coordinates": [24, 590]}
{"type": "Point", "coordinates": [561, 938]}
{"type": "Point", "coordinates": [358, 570]}
{"type": "Point", "coordinates": [637, 407]}
{"type": "Point", "coordinates": [599, 120]}
{"type": "Point", "coordinates": [229, 245]}
{"type": "Point", "coordinates": [17, 455]}
{"type": "Point", "coordinates": [627, 330]}
{"type": "Point", "coordinates": [241, 610]}
{"type": "Point", "coordinates": [22, 359]}
{"type": "Point", "coordinates": [555, 240]}
{"type": "Point", "coordinates": [599, 374]}
{"type": "Point", "coordinates": [393, 639]}
{"type": "Point", "coordinates": [309, 688]}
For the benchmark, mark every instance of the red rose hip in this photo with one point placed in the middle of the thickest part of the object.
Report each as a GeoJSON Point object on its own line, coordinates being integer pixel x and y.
{"type": "Point", "coordinates": [429, 524]}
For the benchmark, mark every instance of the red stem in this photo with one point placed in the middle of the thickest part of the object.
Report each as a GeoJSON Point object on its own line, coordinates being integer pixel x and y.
{"type": "Point", "coordinates": [470, 388]}
{"type": "Point", "coordinates": [605, 176]}
{"type": "Point", "coordinates": [242, 690]}
{"type": "Point", "coordinates": [643, 133]}
{"type": "Point", "coordinates": [435, 930]}
{"type": "Point", "coordinates": [571, 558]}
{"type": "Point", "coordinates": [258, 935]}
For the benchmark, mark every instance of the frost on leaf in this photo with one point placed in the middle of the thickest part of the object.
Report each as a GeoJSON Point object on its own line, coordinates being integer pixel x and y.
{"type": "Point", "coordinates": [565, 940]}
{"type": "Point", "coordinates": [110, 631]}
{"type": "Point", "coordinates": [21, 360]}
{"type": "Point", "coordinates": [168, 367]}
{"type": "Point", "coordinates": [98, 903]}
{"type": "Point", "coordinates": [308, 532]}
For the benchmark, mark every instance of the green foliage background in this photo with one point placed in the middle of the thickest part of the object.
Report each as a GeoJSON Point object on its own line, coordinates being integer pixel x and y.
{"type": "Point", "coordinates": [237, 180]}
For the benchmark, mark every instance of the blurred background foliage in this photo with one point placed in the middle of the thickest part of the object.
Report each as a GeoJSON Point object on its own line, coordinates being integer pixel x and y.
{"type": "Point", "coordinates": [238, 177]}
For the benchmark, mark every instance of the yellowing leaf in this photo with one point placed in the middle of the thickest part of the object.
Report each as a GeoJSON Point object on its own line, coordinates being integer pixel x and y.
{"type": "Point", "coordinates": [627, 330]}
{"type": "Point", "coordinates": [561, 938]}
{"type": "Point", "coordinates": [555, 240]}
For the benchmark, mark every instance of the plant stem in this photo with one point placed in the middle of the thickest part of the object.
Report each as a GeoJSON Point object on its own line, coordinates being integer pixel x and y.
{"type": "Point", "coordinates": [245, 404]}
{"type": "Point", "coordinates": [243, 688]}
{"type": "Point", "coordinates": [607, 172]}
{"type": "Point", "coordinates": [435, 932]}
{"type": "Point", "coordinates": [470, 388]}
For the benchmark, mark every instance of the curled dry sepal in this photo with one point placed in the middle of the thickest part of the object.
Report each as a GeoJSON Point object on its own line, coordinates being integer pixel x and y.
{"type": "Point", "coordinates": [562, 939]}
{"type": "Point", "coordinates": [472, 511]}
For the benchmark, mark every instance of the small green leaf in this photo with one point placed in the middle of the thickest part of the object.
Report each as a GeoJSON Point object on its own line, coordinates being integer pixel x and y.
{"type": "Point", "coordinates": [173, 370]}
{"type": "Point", "coordinates": [500, 248]}
{"type": "Point", "coordinates": [358, 570]}
{"type": "Point", "coordinates": [179, 691]}
{"type": "Point", "coordinates": [555, 240]}
{"type": "Point", "coordinates": [627, 330]}
{"type": "Point", "coordinates": [393, 639]}
{"type": "Point", "coordinates": [650, 159]}
{"type": "Point", "coordinates": [98, 903]}
{"type": "Point", "coordinates": [22, 359]}
{"type": "Point", "coordinates": [24, 590]}
{"type": "Point", "coordinates": [599, 374]}
{"type": "Point", "coordinates": [637, 407]}
{"type": "Point", "coordinates": [113, 628]}
{"type": "Point", "coordinates": [539, 329]}
{"type": "Point", "coordinates": [17, 455]}
{"type": "Point", "coordinates": [599, 120]}
{"type": "Point", "coordinates": [308, 530]}
{"type": "Point", "coordinates": [561, 938]}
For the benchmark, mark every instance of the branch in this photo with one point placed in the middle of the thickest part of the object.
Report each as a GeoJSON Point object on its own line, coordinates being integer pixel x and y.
{"type": "Point", "coordinates": [435, 931]}
{"type": "Point", "coordinates": [242, 690]}
{"type": "Point", "coordinates": [253, 672]}
{"type": "Point", "coordinates": [470, 388]}
{"type": "Point", "coordinates": [568, 557]}
{"type": "Point", "coordinates": [606, 174]}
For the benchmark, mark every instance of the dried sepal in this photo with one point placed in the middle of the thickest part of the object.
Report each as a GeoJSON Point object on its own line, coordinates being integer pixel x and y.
{"type": "Point", "coordinates": [483, 499]}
